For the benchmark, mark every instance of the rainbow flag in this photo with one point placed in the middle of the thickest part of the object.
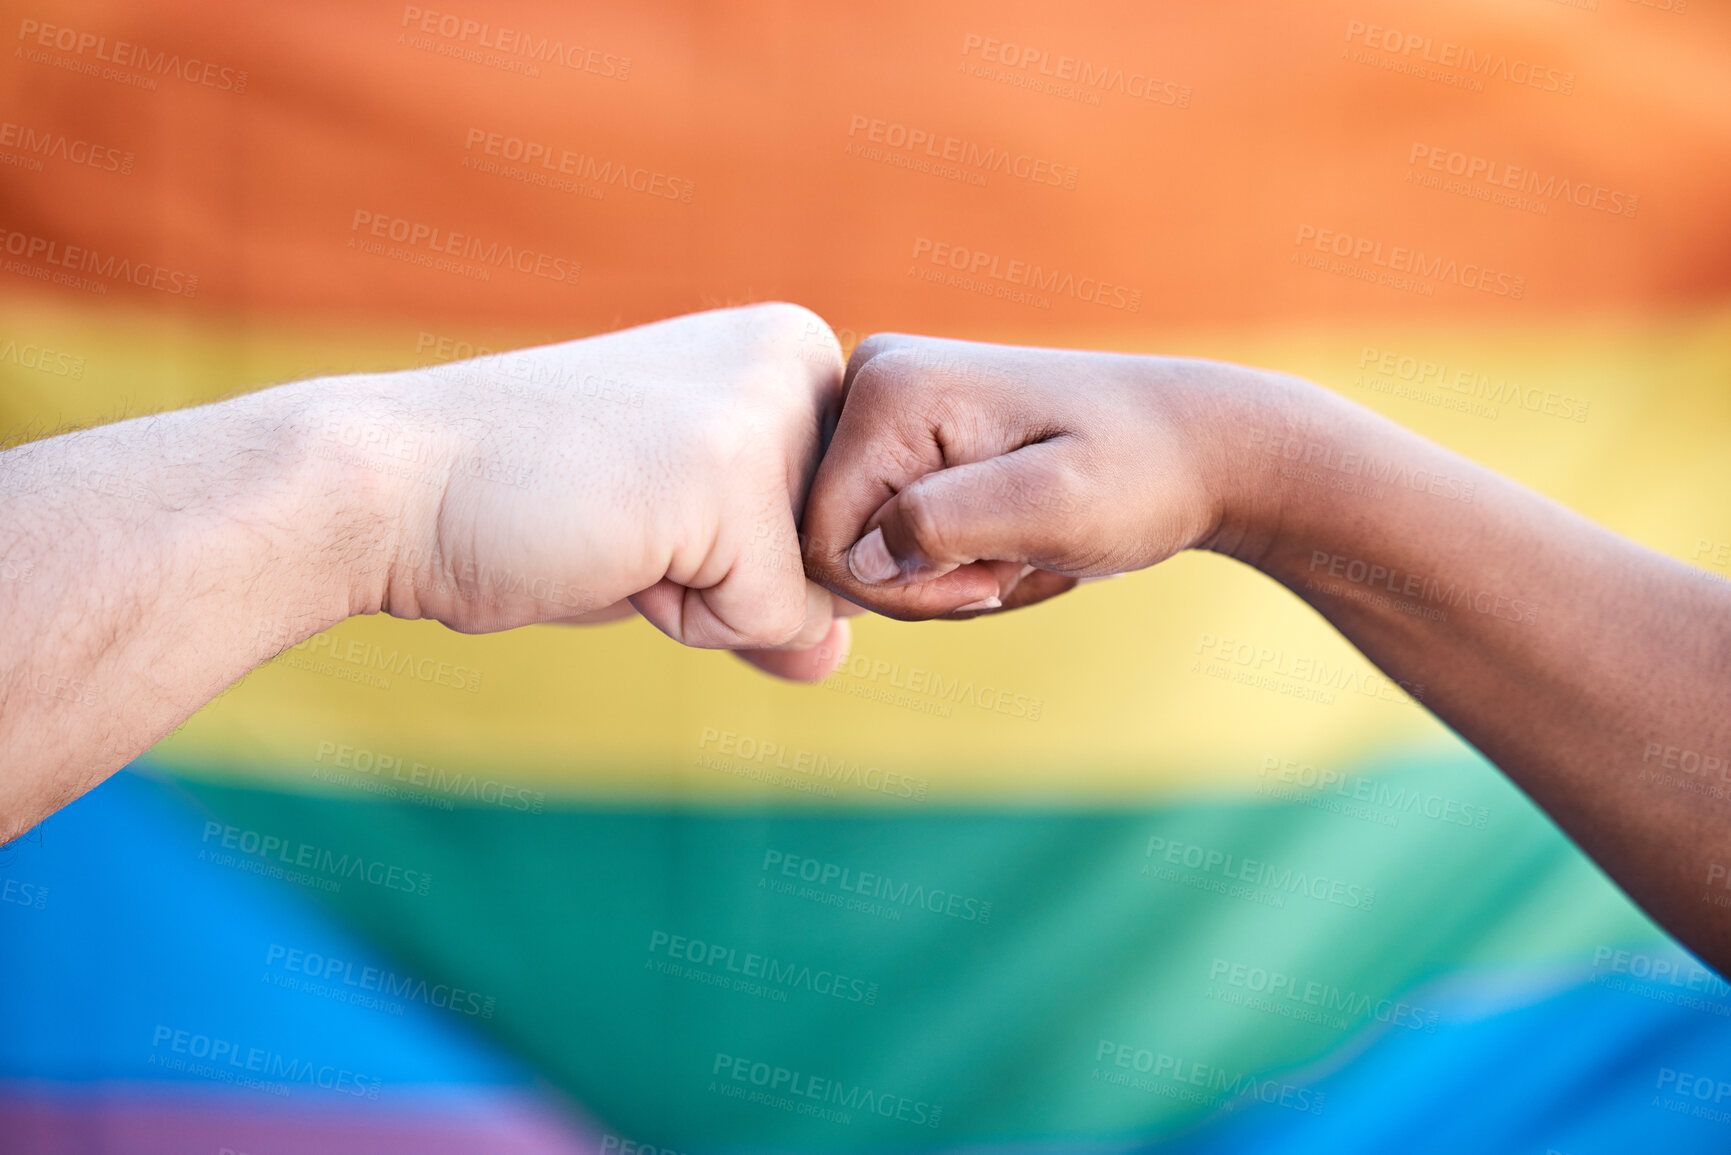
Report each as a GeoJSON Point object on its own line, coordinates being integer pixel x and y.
{"type": "Point", "coordinates": [1162, 866]}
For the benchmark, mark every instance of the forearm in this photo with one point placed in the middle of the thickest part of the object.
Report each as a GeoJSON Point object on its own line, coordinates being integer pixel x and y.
{"type": "Point", "coordinates": [1594, 672]}
{"type": "Point", "coordinates": [166, 557]}
{"type": "Point", "coordinates": [1580, 663]}
{"type": "Point", "coordinates": [156, 561]}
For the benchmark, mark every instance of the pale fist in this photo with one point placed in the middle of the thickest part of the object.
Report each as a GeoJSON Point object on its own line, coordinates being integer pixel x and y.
{"type": "Point", "coordinates": [665, 465]}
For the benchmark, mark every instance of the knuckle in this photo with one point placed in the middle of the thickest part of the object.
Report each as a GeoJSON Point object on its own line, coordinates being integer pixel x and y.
{"type": "Point", "coordinates": [785, 323]}
{"type": "Point", "coordinates": [794, 351]}
{"type": "Point", "coordinates": [821, 554]}
{"type": "Point", "coordinates": [922, 518]}
{"type": "Point", "coordinates": [870, 347]}
{"type": "Point", "coordinates": [784, 316]}
{"type": "Point", "coordinates": [878, 350]}
{"type": "Point", "coordinates": [883, 378]}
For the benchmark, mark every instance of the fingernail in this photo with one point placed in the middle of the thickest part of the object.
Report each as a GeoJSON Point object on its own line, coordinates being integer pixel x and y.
{"type": "Point", "coordinates": [870, 559]}
{"type": "Point", "coordinates": [982, 604]}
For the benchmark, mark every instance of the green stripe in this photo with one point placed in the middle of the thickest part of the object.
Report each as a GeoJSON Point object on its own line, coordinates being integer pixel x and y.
{"type": "Point", "coordinates": [997, 1019]}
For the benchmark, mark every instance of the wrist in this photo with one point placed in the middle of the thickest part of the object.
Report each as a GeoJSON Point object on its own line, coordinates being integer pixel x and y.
{"type": "Point", "coordinates": [371, 469]}
{"type": "Point", "coordinates": [1218, 414]}
{"type": "Point", "coordinates": [1309, 473]}
{"type": "Point", "coordinates": [1273, 444]}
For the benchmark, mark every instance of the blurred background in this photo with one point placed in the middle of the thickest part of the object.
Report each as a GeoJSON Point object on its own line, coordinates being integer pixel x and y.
{"type": "Point", "coordinates": [984, 889]}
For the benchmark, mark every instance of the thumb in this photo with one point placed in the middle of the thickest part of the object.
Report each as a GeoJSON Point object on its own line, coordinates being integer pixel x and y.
{"type": "Point", "coordinates": [925, 550]}
{"type": "Point", "coordinates": [812, 665]}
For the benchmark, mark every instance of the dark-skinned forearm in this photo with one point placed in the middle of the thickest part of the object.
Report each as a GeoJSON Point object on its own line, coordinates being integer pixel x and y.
{"type": "Point", "coordinates": [1595, 672]}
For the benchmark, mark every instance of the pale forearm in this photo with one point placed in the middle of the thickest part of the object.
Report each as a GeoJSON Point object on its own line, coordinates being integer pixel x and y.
{"type": "Point", "coordinates": [167, 556]}
{"type": "Point", "coordinates": [1574, 659]}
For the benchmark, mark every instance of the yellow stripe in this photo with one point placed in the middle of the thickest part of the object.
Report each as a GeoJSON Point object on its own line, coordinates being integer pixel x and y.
{"type": "Point", "coordinates": [1113, 692]}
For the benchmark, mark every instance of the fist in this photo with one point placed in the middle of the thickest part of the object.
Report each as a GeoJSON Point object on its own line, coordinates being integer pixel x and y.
{"type": "Point", "coordinates": [662, 467]}
{"type": "Point", "coordinates": [963, 478]}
